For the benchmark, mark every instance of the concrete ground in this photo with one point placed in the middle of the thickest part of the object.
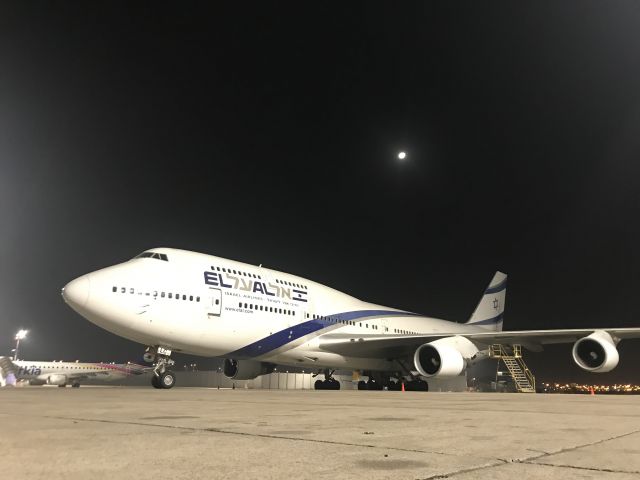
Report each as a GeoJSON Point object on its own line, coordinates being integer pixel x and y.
{"type": "Point", "coordinates": [191, 433]}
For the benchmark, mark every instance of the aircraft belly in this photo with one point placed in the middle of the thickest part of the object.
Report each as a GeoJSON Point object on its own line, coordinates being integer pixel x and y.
{"type": "Point", "coordinates": [314, 359]}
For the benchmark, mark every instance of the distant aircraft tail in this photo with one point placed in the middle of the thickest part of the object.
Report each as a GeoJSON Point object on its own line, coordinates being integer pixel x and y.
{"type": "Point", "coordinates": [489, 312]}
{"type": "Point", "coordinates": [7, 366]}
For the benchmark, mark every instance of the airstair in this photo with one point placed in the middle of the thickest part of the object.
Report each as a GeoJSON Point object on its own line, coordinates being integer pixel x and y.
{"type": "Point", "coordinates": [511, 356]}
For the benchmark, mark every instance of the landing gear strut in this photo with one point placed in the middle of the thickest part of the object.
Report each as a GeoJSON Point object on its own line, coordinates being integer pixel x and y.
{"type": "Point", "coordinates": [329, 383]}
{"type": "Point", "coordinates": [162, 376]}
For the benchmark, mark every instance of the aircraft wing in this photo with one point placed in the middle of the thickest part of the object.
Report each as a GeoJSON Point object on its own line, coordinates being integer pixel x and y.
{"type": "Point", "coordinates": [393, 346]}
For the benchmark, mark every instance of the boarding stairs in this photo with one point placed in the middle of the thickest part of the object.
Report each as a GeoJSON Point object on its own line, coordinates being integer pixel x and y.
{"type": "Point", "coordinates": [511, 356]}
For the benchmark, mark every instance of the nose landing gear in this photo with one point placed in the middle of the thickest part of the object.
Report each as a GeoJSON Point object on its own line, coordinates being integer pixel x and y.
{"type": "Point", "coordinates": [162, 376]}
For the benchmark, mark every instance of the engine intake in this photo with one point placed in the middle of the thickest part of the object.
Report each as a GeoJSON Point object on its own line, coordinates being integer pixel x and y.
{"type": "Point", "coordinates": [596, 352]}
{"type": "Point", "coordinates": [245, 369]}
{"type": "Point", "coordinates": [443, 357]}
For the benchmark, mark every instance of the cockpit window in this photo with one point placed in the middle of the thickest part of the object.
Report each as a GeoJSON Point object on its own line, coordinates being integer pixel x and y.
{"type": "Point", "coordinates": [159, 256]}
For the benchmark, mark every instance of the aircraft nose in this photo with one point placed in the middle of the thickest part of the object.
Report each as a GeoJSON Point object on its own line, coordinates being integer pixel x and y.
{"type": "Point", "coordinates": [76, 292]}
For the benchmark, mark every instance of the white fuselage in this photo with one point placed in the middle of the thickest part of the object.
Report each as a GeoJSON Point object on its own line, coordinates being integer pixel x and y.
{"type": "Point", "coordinates": [211, 306]}
{"type": "Point", "coordinates": [56, 373]}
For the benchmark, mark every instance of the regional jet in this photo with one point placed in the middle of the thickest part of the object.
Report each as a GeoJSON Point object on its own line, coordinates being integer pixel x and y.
{"type": "Point", "coordinates": [256, 318]}
{"type": "Point", "coordinates": [66, 373]}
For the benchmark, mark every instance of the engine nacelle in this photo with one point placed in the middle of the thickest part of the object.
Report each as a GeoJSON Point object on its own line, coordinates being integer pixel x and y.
{"type": "Point", "coordinates": [245, 369]}
{"type": "Point", "coordinates": [57, 379]}
{"type": "Point", "coordinates": [596, 352]}
{"type": "Point", "coordinates": [444, 357]}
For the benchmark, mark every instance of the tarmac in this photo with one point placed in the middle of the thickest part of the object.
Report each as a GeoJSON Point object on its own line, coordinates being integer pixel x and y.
{"type": "Point", "coordinates": [198, 433]}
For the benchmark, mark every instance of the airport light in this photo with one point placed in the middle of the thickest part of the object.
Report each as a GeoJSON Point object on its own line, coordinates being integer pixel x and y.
{"type": "Point", "coordinates": [402, 155]}
{"type": "Point", "coordinates": [21, 335]}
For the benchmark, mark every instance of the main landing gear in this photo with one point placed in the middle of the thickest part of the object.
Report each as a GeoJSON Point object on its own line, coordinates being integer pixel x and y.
{"type": "Point", "coordinates": [378, 381]}
{"type": "Point", "coordinates": [162, 376]}
{"type": "Point", "coordinates": [329, 383]}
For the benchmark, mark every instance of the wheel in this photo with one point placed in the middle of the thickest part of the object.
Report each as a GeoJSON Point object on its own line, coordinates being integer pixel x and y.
{"type": "Point", "coordinates": [318, 385]}
{"type": "Point", "coordinates": [417, 386]}
{"type": "Point", "coordinates": [167, 379]}
{"type": "Point", "coordinates": [75, 385]}
{"type": "Point", "coordinates": [362, 385]}
{"type": "Point", "coordinates": [155, 381]}
{"type": "Point", "coordinates": [373, 385]}
{"type": "Point", "coordinates": [334, 384]}
{"type": "Point", "coordinates": [62, 386]}
{"type": "Point", "coordinates": [395, 386]}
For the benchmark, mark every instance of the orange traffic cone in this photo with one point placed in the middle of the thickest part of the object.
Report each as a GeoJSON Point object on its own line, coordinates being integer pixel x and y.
{"type": "Point", "coordinates": [403, 386]}
{"type": "Point", "coordinates": [592, 391]}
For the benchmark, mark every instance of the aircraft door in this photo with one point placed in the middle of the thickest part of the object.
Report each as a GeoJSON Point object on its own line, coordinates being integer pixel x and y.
{"type": "Point", "coordinates": [385, 325]}
{"type": "Point", "coordinates": [214, 303]}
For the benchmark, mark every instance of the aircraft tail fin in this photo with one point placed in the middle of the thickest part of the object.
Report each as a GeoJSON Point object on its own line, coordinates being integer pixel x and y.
{"type": "Point", "coordinates": [8, 372]}
{"type": "Point", "coordinates": [7, 366]}
{"type": "Point", "coordinates": [489, 312]}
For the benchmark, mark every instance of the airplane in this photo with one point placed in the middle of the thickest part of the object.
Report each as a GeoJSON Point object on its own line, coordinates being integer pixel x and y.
{"type": "Point", "coordinates": [64, 373]}
{"type": "Point", "coordinates": [175, 300]}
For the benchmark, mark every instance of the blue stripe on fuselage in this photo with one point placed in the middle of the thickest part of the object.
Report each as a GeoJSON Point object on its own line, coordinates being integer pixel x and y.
{"type": "Point", "coordinates": [288, 335]}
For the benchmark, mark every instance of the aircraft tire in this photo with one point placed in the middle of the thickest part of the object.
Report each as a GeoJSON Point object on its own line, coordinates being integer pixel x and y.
{"type": "Point", "coordinates": [75, 385]}
{"type": "Point", "coordinates": [167, 379]}
{"type": "Point", "coordinates": [155, 381]}
{"type": "Point", "coordinates": [362, 385]}
{"type": "Point", "coordinates": [319, 385]}
{"type": "Point", "coordinates": [334, 385]}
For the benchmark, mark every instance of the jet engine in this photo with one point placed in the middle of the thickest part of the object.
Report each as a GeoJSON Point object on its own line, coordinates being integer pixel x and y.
{"type": "Point", "coordinates": [245, 369]}
{"type": "Point", "coordinates": [444, 357]}
{"type": "Point", "coordinates": [596, 352]}
{"type": "Point", "coordinates": [57, 379]}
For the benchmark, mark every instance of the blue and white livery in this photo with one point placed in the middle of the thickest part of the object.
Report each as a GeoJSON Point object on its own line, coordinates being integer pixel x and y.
{"type": "Point", "coordinates": [255, 317]}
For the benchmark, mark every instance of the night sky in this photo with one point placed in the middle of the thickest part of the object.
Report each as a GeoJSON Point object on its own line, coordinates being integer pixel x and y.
{"type": "Point", "coordinates": [268, 133]}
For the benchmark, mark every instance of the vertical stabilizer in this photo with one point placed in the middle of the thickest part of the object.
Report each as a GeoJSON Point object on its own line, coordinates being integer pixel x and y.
{"type": "Point", "coordinates": [489, 312]}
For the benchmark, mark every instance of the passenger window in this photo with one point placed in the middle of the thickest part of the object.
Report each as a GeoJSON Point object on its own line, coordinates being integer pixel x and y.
{"type": "Point", "coordinates": [131, 291]}
{"type": "Point", "coordinates": [191, 298]}
{"type": "Point", "coordinates": [240, 305]}
{"type": "Point", "coordinates": [162, 295]}
{"type": "Point", "coordinates": [170, 295]}
{"type": "Point", "coordinates": [184, 297]}
{"type": "Point", "coordinates": [155, 293]}
{"type": "Point", "coordinates": [245, 305]}
{"type": "Point", "coordinates": [114, 289]}
{"type": "Point", "coordinates": [198, 299]}
{"type": "Point", "coordinates": [123, 290]}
